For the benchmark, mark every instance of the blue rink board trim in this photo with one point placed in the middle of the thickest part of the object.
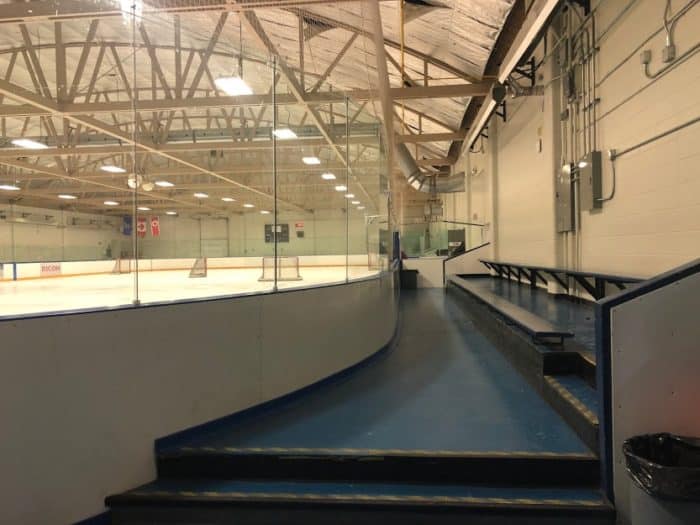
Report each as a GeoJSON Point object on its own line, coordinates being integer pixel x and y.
{"type": "Point", "coordinates": [444, 387]}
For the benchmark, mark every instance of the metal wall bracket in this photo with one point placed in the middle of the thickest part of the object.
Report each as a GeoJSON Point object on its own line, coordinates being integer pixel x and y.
{"type": "Point", "coordinates": [501, 113]}
{"type": "Point", "coordinates": [528, 71]}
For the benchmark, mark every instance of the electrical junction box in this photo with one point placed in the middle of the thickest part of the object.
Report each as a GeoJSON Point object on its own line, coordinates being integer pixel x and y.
{"type": "Point", "coordinates": [564, 205]}
{"type": "Point", "coordinates": [590, 172]}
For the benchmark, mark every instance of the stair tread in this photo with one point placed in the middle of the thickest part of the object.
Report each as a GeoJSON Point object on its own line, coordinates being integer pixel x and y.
{"type": "Point", "coordinates": [246, 490]}
{"type": "Point", "coordinates": [578, 392]}
{"type": "Point", "coordinates": [362, 452]}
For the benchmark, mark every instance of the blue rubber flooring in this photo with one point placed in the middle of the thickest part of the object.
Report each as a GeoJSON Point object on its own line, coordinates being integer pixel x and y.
{"type": "Point", "coordinates": [443, 387]}
{"type": "Point", "coordinates": [577, 317]}
{"type": "Point", "coordinates": [285, 488]}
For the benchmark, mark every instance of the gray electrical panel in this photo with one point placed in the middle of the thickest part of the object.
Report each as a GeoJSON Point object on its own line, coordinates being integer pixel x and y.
{"type": "Point", "coordinates": [564, 200]}
{"type": "Point", "coordinates": [590, 172]}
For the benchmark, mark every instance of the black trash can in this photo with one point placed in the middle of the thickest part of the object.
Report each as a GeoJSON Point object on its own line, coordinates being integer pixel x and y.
{"type": "Point", "coordinates": [666, 473]}
{"type": "Point", "coordinates": [409, 279]}
{"type": "Point", "coordinates": [664, 465]}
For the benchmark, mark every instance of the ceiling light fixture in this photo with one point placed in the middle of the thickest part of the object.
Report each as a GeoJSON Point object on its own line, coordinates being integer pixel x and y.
{"type": "Point", "coordinates": [201, 195]}
{"type": "Point", "coordinates": [171, 213]}
{"type": "Point", "coordinates": [29, 144]}
{"type": "Point", "coordinates": [9, 187]}
{"type": "Point", "coordinates": [341, 188]}
{"type": "Point", "coordinates": [246, 205]}
{"type": "Point", "coordinates": [66, 196]}
{"type": "Point", "coordinates": [228, 199]}
{"type": "Point", "coordinates": [233, 86]}
{"type": "Point", "coordinates": [328, 176]}
{"type": "Point", "coordinates": [144, 208]}
{"type": "Point", "coordinates": [284, 134]}
{"type": "Point", "coordinates": [112, 169]}
{"type": "Point", "coordinates": [355, 202]}
{"type": "Point", "coordinates": [110, 203]}
{"type": "Point", "coordinates": [164, 184]}
{"type": "Point", "coordinates": [264, 212]}
{"type": "Point", "coordinates": [360, 208]}
{"type": "Point", "coordinates": [311, 161]}
{"type": "Point", "coordinates": [349, 195]}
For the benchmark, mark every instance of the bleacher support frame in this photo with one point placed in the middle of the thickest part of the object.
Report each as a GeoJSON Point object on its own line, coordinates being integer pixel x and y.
{"type": "Point", "coordinates": [596, 284]}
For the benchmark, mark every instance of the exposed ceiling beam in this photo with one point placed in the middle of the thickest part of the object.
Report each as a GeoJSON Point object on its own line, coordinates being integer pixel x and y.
{"type": "Point", "coordinates": [41, 11]}
{"type": "Point", "coordinates": [166, 150]}
{"type": "Point", "coordinates": [253, 24]}
{"type": "Point", "coordinates": [504, 42]}
{"type": "Point", "coordinates": [310, 99]}
{"type": "Point", "coordinates": [431, 137]}
{"type": "Point", "coordinates": [27, 97]}
{"type": "Point", "coordinates": [395, 45]}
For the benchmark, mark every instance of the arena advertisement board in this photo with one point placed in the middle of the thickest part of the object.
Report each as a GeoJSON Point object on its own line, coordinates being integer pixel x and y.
{"type": "Point", "coordinates": [49, 269]}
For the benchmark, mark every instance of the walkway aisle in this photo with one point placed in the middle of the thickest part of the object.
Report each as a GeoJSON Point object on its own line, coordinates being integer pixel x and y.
{"type": "Point", "coordinates": [443, 387]}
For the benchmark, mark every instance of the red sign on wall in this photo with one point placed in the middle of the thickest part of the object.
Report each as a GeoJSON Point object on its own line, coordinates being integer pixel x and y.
{"type": "Point", "coordinates": [141, 226]}
{"type": "Point", "coordinates": [299, 225]}
{"type": "Point", "coordinates": [155, 226]}
{"type": "Point", "coordinates": [48, 269]}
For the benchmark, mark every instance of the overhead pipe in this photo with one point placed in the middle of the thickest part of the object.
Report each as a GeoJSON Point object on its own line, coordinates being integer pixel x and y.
{"type": "Point", "coordinates": [426, 183]}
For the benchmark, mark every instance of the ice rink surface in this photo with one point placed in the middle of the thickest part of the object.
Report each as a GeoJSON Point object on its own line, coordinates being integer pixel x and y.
{"type": "Point", "coordinates": [109, 290]}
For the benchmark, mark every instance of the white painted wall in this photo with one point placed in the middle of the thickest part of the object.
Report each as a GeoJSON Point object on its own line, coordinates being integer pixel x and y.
{"type": "Point", "coordinates": [429, 270]}
{"type": "Point", "coordinates": [468, 263]}
{"type": "Point", "coordinates": [655, 369]}
{"type": "Point", "coordinates": [180, 237]}
{"type": "Point", "coordinates": [653, 222]}
{"type": "Point", "coordinates": [84, 396]}
{"type": "Point", "coordinates": [35, 242]}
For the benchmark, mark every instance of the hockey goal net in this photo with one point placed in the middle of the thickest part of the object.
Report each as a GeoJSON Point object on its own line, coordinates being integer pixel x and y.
{"type": "Point", "coordinates": [199, 268]}
{"type": "Point", "coordinates": [287, 268]}
{"type": "Point", "coordinates": [122, 266]}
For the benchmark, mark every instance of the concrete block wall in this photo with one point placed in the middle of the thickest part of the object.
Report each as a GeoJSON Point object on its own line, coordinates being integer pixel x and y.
{"type": "Point", "coordinates": [653, 222]}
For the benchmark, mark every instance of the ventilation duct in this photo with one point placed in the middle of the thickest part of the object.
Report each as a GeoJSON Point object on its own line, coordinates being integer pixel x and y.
{"type": "Point", "coordinates": [426, 183]}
